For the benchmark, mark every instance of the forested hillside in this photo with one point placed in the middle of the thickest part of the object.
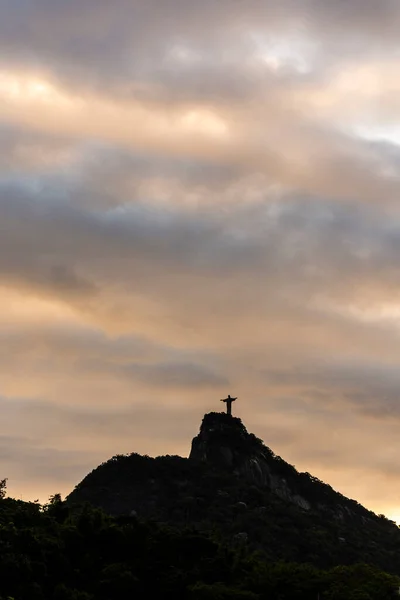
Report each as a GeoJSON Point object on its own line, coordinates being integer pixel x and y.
{"type": "Point", "coordinates": [53, 552]}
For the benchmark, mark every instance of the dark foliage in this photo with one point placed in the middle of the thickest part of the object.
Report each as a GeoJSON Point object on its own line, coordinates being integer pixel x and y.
{"type": "Point", "coordinates": [55, 552]}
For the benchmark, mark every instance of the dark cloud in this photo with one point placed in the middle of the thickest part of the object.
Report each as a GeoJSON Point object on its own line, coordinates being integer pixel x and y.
{"type": "Point", "coordinates": [320, 245]}
{"type": "Point", "coordinates": [91, 358]}
{"type": "Point", "coordinates": [367, 387]}
{"type": "Point", "coordinates": [185, 50]}
{"type": "Point", "coordinates": [62, 278]}
{"type": "Point", "coordinates": [176, 375]}
{"type": "Point", "coordinates": [93, 420]}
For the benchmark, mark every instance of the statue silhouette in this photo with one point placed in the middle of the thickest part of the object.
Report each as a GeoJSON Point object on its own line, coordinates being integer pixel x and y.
{"type": "Point", "coordinates": [229, 401]}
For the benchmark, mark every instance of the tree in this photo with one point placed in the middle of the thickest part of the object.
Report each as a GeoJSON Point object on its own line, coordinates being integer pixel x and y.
{"type": "Point", "coordinates": [3, 488]}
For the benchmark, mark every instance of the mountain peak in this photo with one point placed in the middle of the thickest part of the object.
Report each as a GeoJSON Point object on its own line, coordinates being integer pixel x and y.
{"type": "Point", "coordinates": [223, 441]}
{"type": "Point", "coordinates": [235, 484]}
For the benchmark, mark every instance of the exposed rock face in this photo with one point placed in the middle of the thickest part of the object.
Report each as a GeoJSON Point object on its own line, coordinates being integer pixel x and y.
{"type": "Point", "coordinates": [223, 441]}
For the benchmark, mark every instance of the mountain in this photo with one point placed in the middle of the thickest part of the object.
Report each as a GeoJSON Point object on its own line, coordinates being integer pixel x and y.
{"type": "Point", "coordinates": [235, 486]}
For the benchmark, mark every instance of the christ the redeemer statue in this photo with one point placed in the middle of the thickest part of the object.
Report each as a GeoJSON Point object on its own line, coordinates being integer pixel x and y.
{"type": "Point", "coordinates": [229, 401]}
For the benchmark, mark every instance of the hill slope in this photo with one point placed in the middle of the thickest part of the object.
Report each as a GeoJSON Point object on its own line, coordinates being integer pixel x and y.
{"type": "Point", "coordinates": [236, 486]}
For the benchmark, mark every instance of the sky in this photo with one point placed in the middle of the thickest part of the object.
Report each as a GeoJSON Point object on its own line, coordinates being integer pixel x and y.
{"type": "Point", "coordinates": [196, 199]}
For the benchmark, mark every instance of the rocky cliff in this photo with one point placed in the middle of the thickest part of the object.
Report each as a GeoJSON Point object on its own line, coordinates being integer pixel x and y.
{"type": "Point", "coordinates": [224, 442]}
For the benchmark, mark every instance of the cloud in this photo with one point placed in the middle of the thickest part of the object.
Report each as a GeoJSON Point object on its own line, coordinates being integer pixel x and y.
{"type": "Point", "coordinates": [195, 196]}
{"type": "Point", "coordinates": [368, 387]}
{"type": "Point", "coordinates": [175, 375]}
{"type": "Point", "coordinates": [304, 241]}
{"type": "Point", "coordinates": [126, 39]}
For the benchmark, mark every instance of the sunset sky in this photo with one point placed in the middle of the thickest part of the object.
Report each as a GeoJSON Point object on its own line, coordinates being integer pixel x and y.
{"type": "Point", "coordinates": [196, 199]}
